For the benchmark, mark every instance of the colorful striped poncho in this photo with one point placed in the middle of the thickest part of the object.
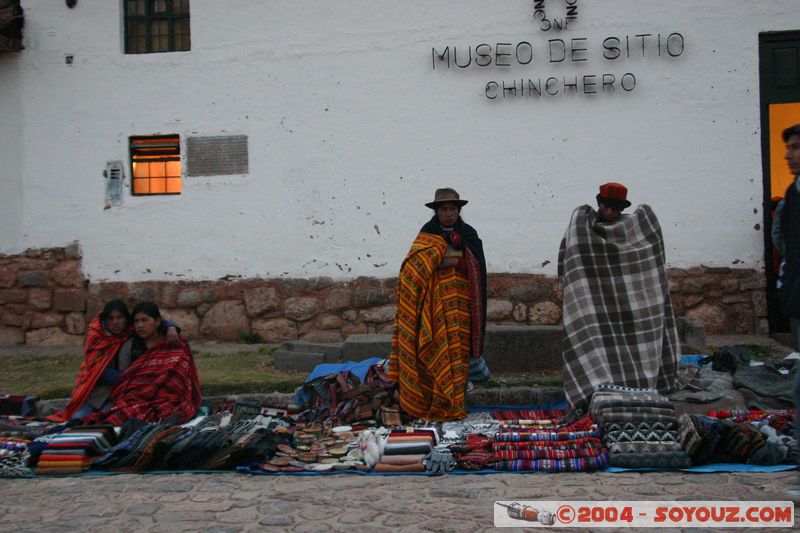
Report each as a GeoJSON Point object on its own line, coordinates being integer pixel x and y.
{"type": "Point", "coordinates": [161, 384]}
{"type": "Point", "coordinates": [433, 333]}
{"type": "Point", "coordinates": [99, 349]}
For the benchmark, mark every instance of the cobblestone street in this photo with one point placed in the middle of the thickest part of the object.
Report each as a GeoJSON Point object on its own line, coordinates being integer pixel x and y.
{"type": "Point", "coordinates": [233, 502]}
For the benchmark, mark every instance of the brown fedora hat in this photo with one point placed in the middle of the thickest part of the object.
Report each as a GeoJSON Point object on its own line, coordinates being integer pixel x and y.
{"type": "Point", "coordinates": [444, 195]}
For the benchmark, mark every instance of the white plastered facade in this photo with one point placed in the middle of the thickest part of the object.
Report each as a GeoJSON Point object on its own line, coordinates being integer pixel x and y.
{"type": "Point", "coordinates": [350, 129]}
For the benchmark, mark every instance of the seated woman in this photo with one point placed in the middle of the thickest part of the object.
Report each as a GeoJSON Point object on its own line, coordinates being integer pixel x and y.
{"type": "Point", "coordinates": [103, 361]}
{"type": "Point", "coordinates": [161, 382]}
{"type": "Point", "coordinates": [441, 314]}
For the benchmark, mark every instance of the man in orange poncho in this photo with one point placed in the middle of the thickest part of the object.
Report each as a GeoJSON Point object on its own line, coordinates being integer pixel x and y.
{"type": "Point", "coordinates": [441, 314]}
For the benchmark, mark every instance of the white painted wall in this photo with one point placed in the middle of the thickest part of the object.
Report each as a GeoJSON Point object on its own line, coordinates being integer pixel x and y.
{"type": "Point", "coordinates": [350, 131]}
{"type": "Point", "coordinates": [11, 135]}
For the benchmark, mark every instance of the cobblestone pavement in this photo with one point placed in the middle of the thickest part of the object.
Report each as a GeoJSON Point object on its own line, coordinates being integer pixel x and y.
{"type": "Point", "coordinates": [233, 502]}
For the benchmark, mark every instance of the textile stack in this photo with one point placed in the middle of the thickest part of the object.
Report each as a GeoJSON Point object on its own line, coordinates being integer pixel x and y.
{"type": "Point", "coordinates": [405, 451]}
{"type": "Point", "coordinates": [14, 457]}
{"type": "Point", "coordinates": [640, 428]}
{"type": "Point", "coordinates": [546, 441]}
{"type": "Point", "coordinates": [71, 451]}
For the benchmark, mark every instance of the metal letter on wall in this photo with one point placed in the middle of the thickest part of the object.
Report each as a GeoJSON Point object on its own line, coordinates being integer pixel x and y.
{"type": "Point", "coordinates": [217, 156]}
{"type": "Point", "coordinates": [114, 175]}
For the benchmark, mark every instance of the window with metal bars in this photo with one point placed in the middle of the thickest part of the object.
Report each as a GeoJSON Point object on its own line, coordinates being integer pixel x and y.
{"type": "Point", "coordinates": [156, 164]}
{"type": "Point", "coordinates": [153, 26]}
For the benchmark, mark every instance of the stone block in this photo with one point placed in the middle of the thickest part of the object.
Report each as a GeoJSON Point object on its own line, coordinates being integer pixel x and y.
{"type": "Point", "coordinates": [338, 299]}
{"type": "Point", "coordinates": [75, 323]}
{"type": "Point", "coordinates": [68, 274]}
{"type": "Point", "coordinates": [291, 361]}
{"type": "Point", "coordinates": [756, 280]}
{"type": "Point", "coordinates": [143, 293]}
{"type": "Point", "coordinates": [169, 295]}
{"type": "Point", "coordinates": [693, 299]}
{"type": "Point", "coordinates": [11, 336]}
{"type": "Point", "coordinates": [696, 285]}
{"type": "Point", "coordinates": [729, 285]}
{"type": "Point", "coordinates": [520, 313]}
{"type": "Point", "coordinates": [329, 322]}
{"type": "Point", "coordinates": [224, 320]}
{"type": "Point", "coordinates": [511, 349]}
{"type": "Point", "coordinates": [43, 320]}
{"type": "Point", "coordinates": [40, 299]}
{"type": "Point", "coordinates": [378, 315]}
{"type": "Point", "coordinates": [322, 336]}
{"type": "Point", "coordinates": [11, 316]}
{"type": "Point", "coordinates": [498, 309]}
{"type": "Point", "coordinates": [187, 321]}
{"type": "Point", "coordinates": [360, 347]}
{"type": "Point", "coordinates": [8, 276]}
{"type": "Point", "coordinates": [544, 314]}
{"type": "Point", "coordinates": [759, 299]}
{"type": "Point", "coordinates": [369, 297]}
{"type": "Point", "coordinates": [261, 299]}
{"type": "Point", "coordinates": [357, 328]}
{"type": "Point", "coordinates": [69, 300]}
{"type": "Point", "coordinates": [189, 298]}
{"type": "Point", "coordinates": [711, 317]}
{"type": "Point", "coordinates": [538, 292]}
{"type": "Point", "coordinates": [52, 337]}
{"type": "Point", "coordinates": [34, 278]}
{"type": "Point", "coordinates": [13, 296]}
{"type": "Point", "coordinates": [275, 329]}
{"type": "Point", "coordinates": [301, 308]}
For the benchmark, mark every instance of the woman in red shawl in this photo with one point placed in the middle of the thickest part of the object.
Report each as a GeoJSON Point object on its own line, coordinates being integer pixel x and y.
{"type": "Point", "coordinates": [161, 382]}
{"type": "Point", "coordinates": [106, 333]}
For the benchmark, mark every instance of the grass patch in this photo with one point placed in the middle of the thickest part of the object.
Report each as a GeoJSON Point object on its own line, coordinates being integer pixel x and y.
{"type": "Point", "coordinates": [243, 372]}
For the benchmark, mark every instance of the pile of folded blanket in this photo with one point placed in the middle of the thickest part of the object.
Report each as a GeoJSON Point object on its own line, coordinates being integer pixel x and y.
{"type": "Point", "coordinates": [640, 428]}
{"type": "Point", "coordinates": [405, 451]}
{"type": "Point", "coordinates": [72, 451]}
{"type": "Point", "coordinates": [546, 441]}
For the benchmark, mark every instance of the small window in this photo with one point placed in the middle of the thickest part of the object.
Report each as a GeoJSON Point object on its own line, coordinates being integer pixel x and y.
{"type": "Point", "coordinates": [156, 26]}
{"type": "Point", "coordinates": [156, 164]}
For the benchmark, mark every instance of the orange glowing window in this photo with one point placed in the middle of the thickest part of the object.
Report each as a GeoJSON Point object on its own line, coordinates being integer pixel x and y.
{"type": "Point", "coordinates": [156, 164]}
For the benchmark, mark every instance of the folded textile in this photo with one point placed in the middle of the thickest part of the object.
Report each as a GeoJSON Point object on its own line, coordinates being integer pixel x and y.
{"type": "Point", "coordinates": [549, 453]}
{"type": "Point", "coordinates": [642, 447]}
{"type": "Point", "coordinates": [643, 425]}
{"type": "Point", "coordinates": [381, 467]}
{"type": "Point", "coordinates": [529, 414]}
{"type": "Point", "coordinates": [582, 464]}
{"type": "Point", "coordinates": [544, 435]}
{"type": "Point", "coordinates": [648, 414]}
{"type": "Point", "coordinates": [407, 448]}
{"type": "Point", "coordinates": [401, 459]}
{"type": "Point", "coordinates": [670, 459]}
{"type": "Point", "coordinates": [641, 436]}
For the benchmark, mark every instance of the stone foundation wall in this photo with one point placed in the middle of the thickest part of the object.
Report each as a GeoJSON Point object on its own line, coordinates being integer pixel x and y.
{"type": "Point", "coordinates": [45, 300]}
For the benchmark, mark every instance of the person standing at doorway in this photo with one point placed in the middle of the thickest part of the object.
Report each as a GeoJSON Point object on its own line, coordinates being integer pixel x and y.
{"type": "Point", "coordinates": [786, 236]}
{"type": "Point", "coordinates": [787, 239]}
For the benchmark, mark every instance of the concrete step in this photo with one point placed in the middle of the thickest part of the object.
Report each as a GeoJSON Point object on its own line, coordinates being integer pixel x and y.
{"type": "Point", "coordinates": [364, 346]}
{"type": "Point", "coordinates": [331, 350]}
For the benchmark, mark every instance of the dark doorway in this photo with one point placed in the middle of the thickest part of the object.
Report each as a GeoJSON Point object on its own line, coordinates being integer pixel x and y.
{"type": "Point", "coordinates": [779, 75]}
